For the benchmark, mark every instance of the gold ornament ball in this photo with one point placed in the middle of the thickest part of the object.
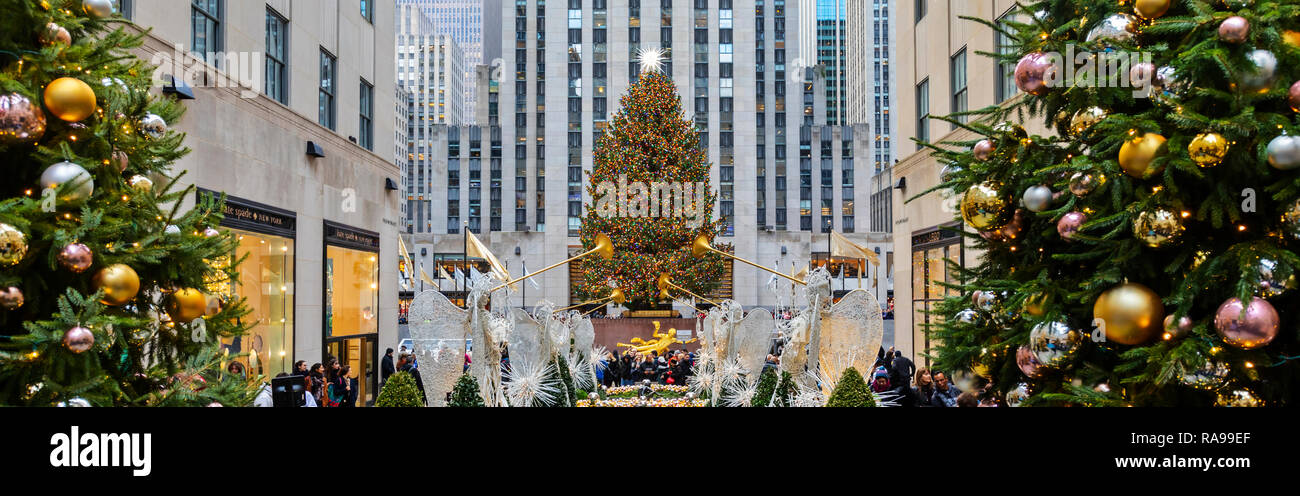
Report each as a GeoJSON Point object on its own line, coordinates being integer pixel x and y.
{"type": "Point", "coordinates": [1151, 9]}
{"type": "Point", "coordinates": [985, 207]}
{"type": "Point", "coordinates": [1085, 119]}
{"type": "Point", "coordinates": [1208, 149]}
{"type": "Point", "coordinates": [141, 184]}
{"type": "Point", "coordinates": [186, 304]}
{"type": "Point", "coordinates": [13, 245]}
{"type": "Point", "coordinates": [1291, 38]}
{"type": "Point", "coordinates": [70, 99]}
{"type": "Point", "coordinates": [1238, 398]}
{"type": "Point", "coordinates": [1083, 183]}
{"type": "Point", "coordinates": [119, 282]}
{"type": "Point", "coordinates": [1291, 220]}
{"type": "Point", "coordinates": [1036, 304]}
{"type": "Point", "coordinates": [1132, 313]}
{"type": "Point", "coordinates": [1158, 228]}
{"type": "Point", "coordinates": [1138, 154]}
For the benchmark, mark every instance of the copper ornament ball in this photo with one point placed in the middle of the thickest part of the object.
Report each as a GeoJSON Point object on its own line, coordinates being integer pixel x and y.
{"type": "Point", "coordinates": [1033, 73]}
{"type": "Point", "coordinates": [11, 298]}
{"type": "Point", "coordinates": [984, 149]}
{"type": "Point", "coordinates": [76, 257]}
{"type": "Point", "coordinates": [78, 339]}
{"type": "Point", "coordinates": [1234, 29]}
{"type": "Point", "coordinates": [1070, 224]}
{"type": "Point", "coordinates": [21, 120]}
{"type": "Point", "coordinates": [1255, 329]}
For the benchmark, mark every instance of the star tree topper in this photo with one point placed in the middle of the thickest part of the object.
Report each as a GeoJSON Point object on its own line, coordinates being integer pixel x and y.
{"type": "Point", "coordinates": [651, 59]}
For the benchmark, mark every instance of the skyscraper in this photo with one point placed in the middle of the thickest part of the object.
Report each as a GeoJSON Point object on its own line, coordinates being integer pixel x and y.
{"type": "Point", "coordinates": [478, 38]}
{"type": "Point", "coordinates": [430, 69]}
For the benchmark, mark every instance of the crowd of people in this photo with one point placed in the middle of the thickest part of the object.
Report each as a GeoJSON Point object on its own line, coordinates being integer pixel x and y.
{"type": "Point", "coordinates": [896, 376]}
{"type": "Point", "coordinates": [630, 368]}
{"type": "Point", "coordinates": [333, 385]}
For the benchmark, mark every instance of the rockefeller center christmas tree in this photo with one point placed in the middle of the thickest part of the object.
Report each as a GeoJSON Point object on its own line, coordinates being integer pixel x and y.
{"type": "Point", "coordinates": [650, 193]}
{"type": "Point", "coordinates": [1145, 253]}
{"type": "Point", "coordinates": [109, 295]}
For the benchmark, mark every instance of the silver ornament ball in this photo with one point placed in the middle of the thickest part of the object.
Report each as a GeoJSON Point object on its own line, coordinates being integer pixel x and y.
{"type": "Point", "coordinates": [62, 173]}
{"type": "Point", "coordinates": [97, 8]}
{"type": "Point", "coordinates": [1018, 395]}
{"type": "Point", "coordinates": [1054, 343]}
{"type": "Point", "coordinates": [1038, 198]}
{"type": "Point", "coordinates": [1264, 74]}
{"type": "Point", "coordinates": [74, 403]}
{"type": "Point", "coordinates": [1284, 152]}
{"type": "Point", "coordinates": [153, 126]}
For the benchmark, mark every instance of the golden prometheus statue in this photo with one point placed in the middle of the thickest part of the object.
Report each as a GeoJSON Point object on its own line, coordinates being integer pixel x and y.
{"type": "Point", "coordinates": [659, 343]}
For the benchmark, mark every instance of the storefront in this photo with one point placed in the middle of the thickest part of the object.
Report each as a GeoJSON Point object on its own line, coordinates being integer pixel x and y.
{"type": "Point", "coordinates": [267, 238]}
{"type": "Point", "coordinates": [931, 249]}
{"type": "Point", "coordinates": [351, 304]}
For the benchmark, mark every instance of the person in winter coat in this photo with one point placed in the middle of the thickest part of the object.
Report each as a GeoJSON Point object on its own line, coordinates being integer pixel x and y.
{"type": "Point", "coordinates": [386, 367]}
{"type": "Point", "coordinates": [923, 390]}
{"type": "Point", "coordinates": [881, 382]}
{"type": "Point", "coordinates": [408, 365]}
{"type": "Point", "coordinates": [945, 394]}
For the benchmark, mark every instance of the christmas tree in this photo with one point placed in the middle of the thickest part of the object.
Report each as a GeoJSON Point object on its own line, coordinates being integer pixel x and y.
{"type": "Point", "coordinates": [1116, 254]}
{"type": "Point", "coordinates": [111, 295]}
{"type": "Point", "coordinates": [650, 193]}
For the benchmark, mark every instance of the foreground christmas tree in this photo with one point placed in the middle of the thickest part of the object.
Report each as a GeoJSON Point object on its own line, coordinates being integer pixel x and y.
{"type": "Point", "coordinates": [650, 193]}
{"type": "Point", "coordinates": [103, 282]}
{"type": "Point", "coordinates": [1116, 255]}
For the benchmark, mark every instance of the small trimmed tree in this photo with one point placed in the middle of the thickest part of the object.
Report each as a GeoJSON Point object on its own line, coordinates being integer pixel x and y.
{"type": "Point", "coordinates": [851, 391]}
{"type": "Point", "coordinates": [570, 398]}
{"type": "Point", "coordinates": [466, 394]}
{"type": "Point", "coordinates": [399, 391]}
{"type": "Point", "coordinates": [766, 386]}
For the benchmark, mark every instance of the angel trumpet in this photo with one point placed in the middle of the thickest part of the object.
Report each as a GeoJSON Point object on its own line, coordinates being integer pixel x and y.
{"type": "Point", "coordinates": [604, 247]}
{"type": "Point", "coordinates": [702, 247]}
{"type": "Point", "coordinates": [616, 295]}
{"type": "Point", "coordinates": [665, 281]}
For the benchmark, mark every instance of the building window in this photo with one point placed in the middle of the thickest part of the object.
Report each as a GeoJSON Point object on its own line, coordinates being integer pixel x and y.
{"type": "Point", "coordinates": [1006, 82]}
{"type": "Point", "coordinates": [367, 128]}
{"type": "Point", "coordinates": [368, 10]}
{"type": "Point", "coordinates": [328, 69]}
{"type": "Point", "coordinates": [277, 32]}
{"type": "Point", "coordinates": [957, 68]}
{"type": "Point", "coordinates": [923, 111]}
{"type": "Point", "coordinates": [125, 8]}
{"type": "Point", "coordinates": [205, 33]}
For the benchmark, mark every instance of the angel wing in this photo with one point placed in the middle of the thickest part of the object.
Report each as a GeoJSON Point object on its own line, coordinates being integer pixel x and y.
{"type": "Point", "coordinates": [713, 322]}
{"type": "Point", "coordinates": [851, 334]}
{"type": "Point", "coordinates": [794, 355]}
{"type": "Point", "coordinates": [525, 339]}
{"type": "Point", "coordinates": [584, 335]}
{"type": "Point", "coordinates": [441, 368]}
{"type": "Point", "coordinates": [752, 340]}
{"type": "Point", "coordinates": [435, 319]}
{"type": "Point", "coordinates": [561, 329]}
